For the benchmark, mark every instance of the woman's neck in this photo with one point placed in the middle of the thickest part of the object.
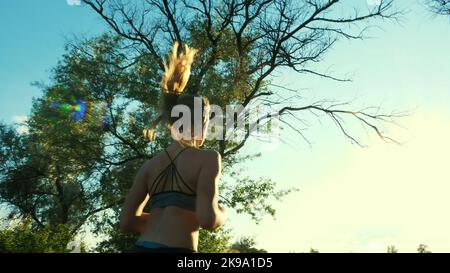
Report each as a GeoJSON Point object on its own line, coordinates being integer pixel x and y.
{"type": "Point", "coordinates": [175, 145]}
{"type": "Point", "coordinates": [179, 145]}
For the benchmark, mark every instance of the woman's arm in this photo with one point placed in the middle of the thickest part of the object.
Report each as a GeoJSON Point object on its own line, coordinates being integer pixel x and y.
{"type": "Point", "coordinates": [132, 217]}
{"type": "Point", "coordinates": [210, 214]}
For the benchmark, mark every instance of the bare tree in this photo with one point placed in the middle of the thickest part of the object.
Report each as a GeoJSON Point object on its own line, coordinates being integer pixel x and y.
{"type": "Point", "coordinates": [263, 36]}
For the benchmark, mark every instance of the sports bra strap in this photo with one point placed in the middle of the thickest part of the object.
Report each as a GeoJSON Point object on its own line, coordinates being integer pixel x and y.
{"type": "Point", "coordinates": [172, 160]}
{"type": "Point", "coordinates": [172, 175]}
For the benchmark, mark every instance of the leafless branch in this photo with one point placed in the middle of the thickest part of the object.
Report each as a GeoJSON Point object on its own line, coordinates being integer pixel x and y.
{"type": "Point", "coordinates": [264, 36]}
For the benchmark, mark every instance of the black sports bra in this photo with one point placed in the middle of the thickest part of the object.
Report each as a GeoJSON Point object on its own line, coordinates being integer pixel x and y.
{"type": "Point", "coordinates": [171, 186]}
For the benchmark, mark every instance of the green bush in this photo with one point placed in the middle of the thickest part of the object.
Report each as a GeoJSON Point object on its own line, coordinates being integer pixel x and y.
{"type": "Point", "coordinates": [24, 238]}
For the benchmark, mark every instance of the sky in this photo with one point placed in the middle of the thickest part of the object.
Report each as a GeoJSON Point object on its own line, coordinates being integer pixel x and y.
{"type": "Point", "coordinates": [350, 199]}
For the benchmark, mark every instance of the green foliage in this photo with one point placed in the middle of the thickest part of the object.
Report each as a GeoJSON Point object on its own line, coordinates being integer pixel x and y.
{"type": "Point", "coordinates": [75, 167]}
{"type": "Point", "coordinates": [117, 242]}
{"type": "Point", "coordinates": [246, 245]}
{"type": "Point", "coordinates": [423, 249]}
{"type": "Point", "coordinates": [313, 250]}
{"type": "Point", "coordinates": [253, 196]}
{"type": "Point", "coordinates": [214, 241]}
{"type": "Point", "coordinates": [23, 238]}
{"type": "Point", "coordinates": [392, 249]}
{"type": "Point", "coordinates": [227, 81]}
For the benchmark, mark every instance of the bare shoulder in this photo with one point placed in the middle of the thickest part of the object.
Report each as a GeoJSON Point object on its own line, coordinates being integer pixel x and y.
{"type": "Point", "coordinates": [147, 165]}
{"type": "Point", "coordinates": [154, 162]}
{"type": "Point", "coordinates": [211, 160]}
{"type": "Point", "coordinates": [210, 155]}
{"type": "Point", "coordinates": [206, 157]}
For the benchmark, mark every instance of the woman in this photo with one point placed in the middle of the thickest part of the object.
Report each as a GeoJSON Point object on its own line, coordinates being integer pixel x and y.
{"type": "Point", "coordinates": [181, 182]}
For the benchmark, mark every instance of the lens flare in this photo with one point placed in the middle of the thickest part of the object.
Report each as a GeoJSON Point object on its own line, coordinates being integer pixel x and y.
{"type": "Point", "coordinates": [81, 109]}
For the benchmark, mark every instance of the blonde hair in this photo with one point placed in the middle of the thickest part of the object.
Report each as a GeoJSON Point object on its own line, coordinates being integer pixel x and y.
{"type": "Point", "coordinates": [177, 72]}
{"type": "Point", "coordinates": [174, 80]}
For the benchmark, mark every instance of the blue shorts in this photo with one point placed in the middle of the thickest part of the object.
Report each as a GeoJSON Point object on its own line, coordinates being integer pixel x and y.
{"type": "Point", "coordinates": [154, 247]}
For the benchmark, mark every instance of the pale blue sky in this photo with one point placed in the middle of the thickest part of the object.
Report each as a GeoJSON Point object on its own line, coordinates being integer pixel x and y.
{"type": "Point", "coordinates": [33, 37]}
{"type": "Point", "coordinates": [342, 205]}
{"type": "Point", "coordinates": [364, 199]}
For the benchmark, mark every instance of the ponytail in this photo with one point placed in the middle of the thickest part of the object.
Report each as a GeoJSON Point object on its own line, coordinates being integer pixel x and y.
{"type": "Point", "coordinates": [176, 74]}
{"type": "Point", "coordinates": [175, 77]}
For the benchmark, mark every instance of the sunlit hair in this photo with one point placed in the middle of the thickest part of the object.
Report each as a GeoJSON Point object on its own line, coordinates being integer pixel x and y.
{"type": "Point", "coordinates": [177, 72]}
{"type": "Point", "coordinates": [174, 80]}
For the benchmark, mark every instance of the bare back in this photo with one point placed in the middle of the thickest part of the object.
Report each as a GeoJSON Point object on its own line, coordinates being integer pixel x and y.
{"type": "Point", "coordinates": [172, 225]}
